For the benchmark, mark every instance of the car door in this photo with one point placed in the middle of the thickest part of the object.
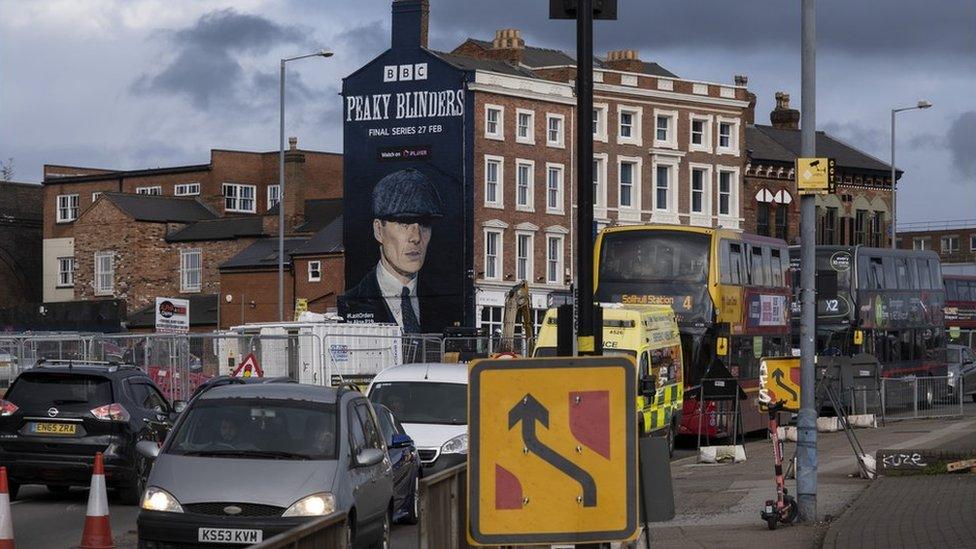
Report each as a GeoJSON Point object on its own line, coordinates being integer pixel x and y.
{"type": "Point", "coordinates": [380, 486]}
{"type": "Point", "coordinates": [399, 457]}
{"type": "Point", "coordinates": [152, 408]}
{"type": "Point", "coordinates": [363, 484]}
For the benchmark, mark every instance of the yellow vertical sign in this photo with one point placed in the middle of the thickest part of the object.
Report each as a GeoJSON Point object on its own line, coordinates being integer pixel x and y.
{"type": "Point", "coordinates": [553, 454]}
{"type": "Point", "coordinates": [814, 175]}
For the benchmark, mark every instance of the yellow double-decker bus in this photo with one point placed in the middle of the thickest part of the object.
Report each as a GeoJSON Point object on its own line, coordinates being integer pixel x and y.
{"type": "Point", "coordinates": [730, 292]}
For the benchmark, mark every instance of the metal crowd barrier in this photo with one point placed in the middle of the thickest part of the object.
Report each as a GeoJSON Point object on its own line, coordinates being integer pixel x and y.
{"type": "Point", "coordinates": [921, 397]}
{"type": "Point", "coordinates": [324, 533]}
{"type": "Point", "coordinates": [443, 509]}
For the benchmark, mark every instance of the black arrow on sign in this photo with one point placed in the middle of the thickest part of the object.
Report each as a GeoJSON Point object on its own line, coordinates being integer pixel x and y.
{"type": "Point", "coordinates": [529, 411]}
{"type": "Point", "coordinates": [778, 376]}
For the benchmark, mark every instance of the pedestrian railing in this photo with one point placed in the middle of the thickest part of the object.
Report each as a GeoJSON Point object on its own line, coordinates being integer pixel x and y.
{"type": "Point", "coordinates": [921, 397]}
{"type": "Point", "coordinates": [325, 533]}
{"type": "Point", "coordinates": [443, 509]}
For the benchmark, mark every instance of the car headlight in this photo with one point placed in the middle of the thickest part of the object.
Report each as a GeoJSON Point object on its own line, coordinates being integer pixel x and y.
{"type": "Point", "coordinates": [457, 445]}
{"type": "Point", "coordinates": [157, 499]}
{"type": "Point", "coordinates": [314, 505]}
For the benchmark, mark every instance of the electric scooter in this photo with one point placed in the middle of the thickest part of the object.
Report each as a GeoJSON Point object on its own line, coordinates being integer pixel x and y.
{"type": "Point", "coordinates": [783, 508]}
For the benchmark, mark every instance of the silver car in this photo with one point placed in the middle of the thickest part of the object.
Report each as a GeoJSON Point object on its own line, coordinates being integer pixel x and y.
{"type": "Point", "coordinates": [247, 462]}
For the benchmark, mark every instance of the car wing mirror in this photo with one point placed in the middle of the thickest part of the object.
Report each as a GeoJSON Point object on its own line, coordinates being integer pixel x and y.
{"type": "Point", "coordinates": [148, 449]}
{"type": "Point", "coordinates": [368, 457]}
{"type": "Point", "coordinates": [179, 406]}
{"type": "Point", "coordinates": [400, 441]}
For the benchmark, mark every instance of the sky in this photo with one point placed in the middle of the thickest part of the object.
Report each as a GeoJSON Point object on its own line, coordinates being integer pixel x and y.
{"type": "Point", "coordinates": [130, 84]}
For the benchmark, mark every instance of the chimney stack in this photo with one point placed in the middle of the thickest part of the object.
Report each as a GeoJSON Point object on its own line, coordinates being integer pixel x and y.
{"type": "Point", "coordinates": [508, 45]}
{"type": "Point", "coordinates": [410, 23]}
{"type": "Point", "coordinates": [783, 117]}
{"type": "Point", "coordinates": [742, 81]}
{"type": "Point", "coordinates": [625, 60]}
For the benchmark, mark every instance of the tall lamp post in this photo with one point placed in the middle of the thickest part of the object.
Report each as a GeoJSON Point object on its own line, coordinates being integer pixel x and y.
{"type": "Point", "coordinates": [923, 104]}
{"type": "Point", "coordinates": [281, 179]}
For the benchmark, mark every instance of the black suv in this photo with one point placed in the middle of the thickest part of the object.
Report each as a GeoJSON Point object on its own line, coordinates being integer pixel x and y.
{"type": "Point", "coordinates": [57, 416]}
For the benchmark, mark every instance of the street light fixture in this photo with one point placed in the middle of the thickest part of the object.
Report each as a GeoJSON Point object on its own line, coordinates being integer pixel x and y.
{"type": "Point", "coordinates": [922, 104]}
{"type": "Point", "coordinates": [281, 178]}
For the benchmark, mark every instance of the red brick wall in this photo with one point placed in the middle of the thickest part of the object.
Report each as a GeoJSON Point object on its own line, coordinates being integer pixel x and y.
{"type": "Point", "coordinates": [321, 295]}
{"type": "Point", "coordinates": [146, 265]}
{"type": "Point", "coordinates": [539, 153]}
{"type": "Point", "coordinates": [257, 290]}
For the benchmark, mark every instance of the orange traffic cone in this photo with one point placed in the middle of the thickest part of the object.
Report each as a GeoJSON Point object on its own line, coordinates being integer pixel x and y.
{"type": "Point", "coordinates": [98, 531]}
{"type": "Point", "coordinates": [6, 523]}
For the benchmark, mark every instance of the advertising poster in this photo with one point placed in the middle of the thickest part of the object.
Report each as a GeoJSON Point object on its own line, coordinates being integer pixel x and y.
{"type": "Point", "coordinates": [404, 205]}
{"type": "Point", "coordinates": [172, 315]}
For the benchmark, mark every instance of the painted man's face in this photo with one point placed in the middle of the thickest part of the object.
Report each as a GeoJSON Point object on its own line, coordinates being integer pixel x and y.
{"type": "Point", "coordinates": [403, 245]}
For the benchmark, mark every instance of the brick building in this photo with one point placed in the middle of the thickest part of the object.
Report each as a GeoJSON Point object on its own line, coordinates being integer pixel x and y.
{"type": "Point", "coordinates": [140, 234]}
{"type": "Point", "coordinates": [21, 221]}
{"type": "Point", "coordinates": [955, 241]}
{"type": "Point", "coordinates": [859, 211]}
{"type": "Point", "coordinates": [313, 271]}
{"type": "Point", "coordinates": [667, 150]}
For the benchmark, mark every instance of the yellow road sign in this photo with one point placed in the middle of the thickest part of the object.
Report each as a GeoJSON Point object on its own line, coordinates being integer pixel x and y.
{"type": "Point", "coordinates": [553, 450]}
{"type": "Point", "coordinates": [301, 306]}
{"type": "Point", "coordinates": [779, 380]}
{"type": "Point", "coordinates": [814, 175]}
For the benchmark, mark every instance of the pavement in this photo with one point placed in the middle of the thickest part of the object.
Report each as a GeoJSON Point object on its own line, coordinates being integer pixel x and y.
{"type": "Point", "coordinates": [719, 505]}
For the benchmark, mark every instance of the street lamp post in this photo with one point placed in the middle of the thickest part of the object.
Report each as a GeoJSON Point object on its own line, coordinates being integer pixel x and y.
{"type": "Point", "coordinates": [923, 104]}
{"type": "Point", "coordinates": [281, 179]}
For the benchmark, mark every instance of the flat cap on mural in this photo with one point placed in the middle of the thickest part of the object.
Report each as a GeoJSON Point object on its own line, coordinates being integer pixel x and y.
{"type": "Point", "coordinates": [406, 194]}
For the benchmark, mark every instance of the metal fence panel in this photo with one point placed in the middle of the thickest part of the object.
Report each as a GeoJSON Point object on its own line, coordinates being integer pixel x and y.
{"type": "Point", "coordinates": [323, 533]}
{"type": "Point", "coordinates": [921, 397]}
{"type": "Point", "coordinates": [443, 510]}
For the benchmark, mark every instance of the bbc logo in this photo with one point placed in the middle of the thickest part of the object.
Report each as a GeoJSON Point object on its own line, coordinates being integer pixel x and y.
{"type": "Point", "coordinates": [404, 73]}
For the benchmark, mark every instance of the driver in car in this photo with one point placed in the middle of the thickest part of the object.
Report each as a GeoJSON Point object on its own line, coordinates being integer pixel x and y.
{"type": "Point", "coordinates": [228, 430]}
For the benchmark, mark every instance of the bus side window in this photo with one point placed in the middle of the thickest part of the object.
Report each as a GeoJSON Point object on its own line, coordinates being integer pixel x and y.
{"type": "Point", "coordinates": [644, 362]}
{"type": "Point", "coordinates": [756, 266]}
{"type": "Point", "coordinates": [950, 285]}
{"type": "Point", "coordinates": [922, 269]}
{"type": "Point", "coordinates": [724, 266]}
{"type": "Point", "coordinates": [891, 278]}
{"type": "Point", "coordinates": [904, 278]}
{"type": "Point", "coordinates": [776, 268]}
{"type": "Point", "coordinates": [735, 263]}
{"type": "Point", "coordinates": [876, 274]}
{"type": "Point", "coordinates": [936, 272]}
{"type": "Point", "coordinates": [963, 290]}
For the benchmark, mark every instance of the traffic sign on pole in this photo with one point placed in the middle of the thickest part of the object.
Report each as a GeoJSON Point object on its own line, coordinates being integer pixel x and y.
{"type": "Point", "coordinates": [553, 451]}
{"type": "Point", "coordinates": [779, 380]}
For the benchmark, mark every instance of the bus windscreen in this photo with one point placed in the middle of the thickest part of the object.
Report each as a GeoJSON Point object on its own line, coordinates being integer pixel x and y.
{"type": "Point", "coordinates": [657, 268]}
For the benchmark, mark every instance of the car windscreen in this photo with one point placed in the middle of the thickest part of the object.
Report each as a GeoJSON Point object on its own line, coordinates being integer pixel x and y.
{"type": "Point", "coordinates": [33, 391]}
{"type": "Point", "coordinates": [423, 402]}
{"type": "Point", "coordinates": [257, 429]}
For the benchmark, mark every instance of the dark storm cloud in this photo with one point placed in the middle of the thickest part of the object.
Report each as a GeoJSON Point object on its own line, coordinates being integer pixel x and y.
{"type": "Point", "coordinates": [962, 143]}
{"type": "Point", "coordinates": [879, 27]}
{"type": "Point", "coordinates": [207, 67]}
{"type": "Point", "coordinates": [364, 40]}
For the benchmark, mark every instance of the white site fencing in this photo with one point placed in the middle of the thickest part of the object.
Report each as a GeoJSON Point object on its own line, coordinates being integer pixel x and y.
{"type": "Point", "coordinates": [179, 363]}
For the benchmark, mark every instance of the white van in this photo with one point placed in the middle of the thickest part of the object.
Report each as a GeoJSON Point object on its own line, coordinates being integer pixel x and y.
{"type": "Point", "coordinates": [431, 401]}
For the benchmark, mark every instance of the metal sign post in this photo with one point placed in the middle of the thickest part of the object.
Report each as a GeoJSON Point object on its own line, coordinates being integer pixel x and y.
{"type": "Point", "coordinates": [584, 11]}
{"type": "Point", "coordinates": [806, 478]}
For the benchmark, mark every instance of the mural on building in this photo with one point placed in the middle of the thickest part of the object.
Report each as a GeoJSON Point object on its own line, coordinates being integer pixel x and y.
{"type": "Point", "coordinates": [405, 205]}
